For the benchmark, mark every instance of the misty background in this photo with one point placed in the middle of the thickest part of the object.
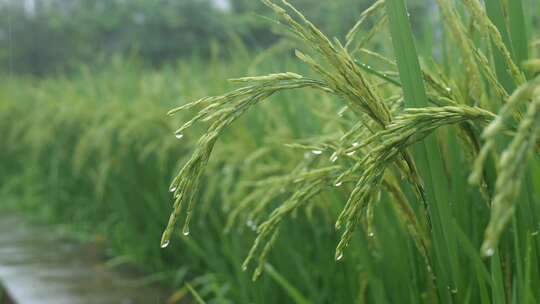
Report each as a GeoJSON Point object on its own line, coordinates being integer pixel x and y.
{"type": "Point", "coordinates": [41, 37]}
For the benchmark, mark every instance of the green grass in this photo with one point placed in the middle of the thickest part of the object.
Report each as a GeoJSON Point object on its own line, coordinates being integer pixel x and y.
{"type": "Point", "coordinates": [369, 172]}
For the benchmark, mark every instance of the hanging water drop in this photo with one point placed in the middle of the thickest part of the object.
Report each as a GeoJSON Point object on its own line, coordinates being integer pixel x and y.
{"type": "Point", "coordinates": [316, 152]}
{"type": "Point", "coordinates": [489, 252]}
{"type": "Point", "coordinates": [244, 267]}
{"type": "Point", "coordinates": [173, 189]}
{"type": "Point", "coordinates": [165, 244]}
{"type": "Point", "coordinates": [178, 135]}
{"type": "Point", "coordinates": [448, 89]}
{"type": "Point", "coordinates": [252, 225]}
{"type": "Point", "coordinates": [371, 234]}
{"type": "Point", "coordinates": [185, 231]}
{"type": "Point", "coordinates": [338, 184]}
{"type": "Point", "coordinates": [334, 157]}
{"type": "Point", "coordinates": [339, 255]}
{"type": "Point", "coordinates": [351, 153]}
{"type": "Point", "coordinates": [355, 144]}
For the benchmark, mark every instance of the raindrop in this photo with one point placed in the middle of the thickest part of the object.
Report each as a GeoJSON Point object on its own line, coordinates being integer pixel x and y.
{"type": "Point", "coordinates": [448, 89]}
{"type": "Point", "coordinates": [338, 184]}
{"type": "Point", "coordinates": [316, 152]}
{"type": "Point", "coordinates": [179, 135]}
{"type": "Point", "coordinates": [165, 244]}
{"type": "Point", "coordinates": [489, 252]}
{"type": "Point", "coordinates": [185, 231]}
{"type": "Point", "coordinates": [244, 267]}
{"type": "Point", "coordinates": [355, 144]}
{"type": "Point", "coordinates": [351, 153]}
{"type": "Point", "coordinates": [534, 233]}
{"type": "Point", "coordinates": [371, 234]}
{"type": "Point", "coordinates": [339, 256]}
{"type": "Point", "coordinates": [173, 189]}
{"type": "Point", "coordinates": [252, 225]}
{"type": "Point", "coordinates": [334, 157]}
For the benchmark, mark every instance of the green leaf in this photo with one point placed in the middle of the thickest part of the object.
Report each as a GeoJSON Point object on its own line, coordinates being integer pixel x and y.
{"type": "Point", "coordinates": [427, 154]}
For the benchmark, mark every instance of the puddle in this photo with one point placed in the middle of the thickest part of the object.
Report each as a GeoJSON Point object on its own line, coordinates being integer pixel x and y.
{"type": "Point", "coordinates": [37, 268]}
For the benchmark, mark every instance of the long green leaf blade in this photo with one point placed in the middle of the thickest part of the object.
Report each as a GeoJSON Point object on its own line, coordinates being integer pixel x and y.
{"type": "Point", "coordinates": [427, 153]}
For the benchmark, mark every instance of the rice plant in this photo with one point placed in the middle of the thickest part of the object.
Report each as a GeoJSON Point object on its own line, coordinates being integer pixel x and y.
{"type": "Point", "coordinates": [420, 150]}
{"type": "Point", "coordinates": [93, 159]}
{"type": "Point", "coordinates": [445, 143]}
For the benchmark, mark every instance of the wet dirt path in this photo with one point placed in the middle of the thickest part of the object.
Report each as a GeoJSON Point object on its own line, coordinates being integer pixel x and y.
{"type": "Point", "coordinates": [37, 267]}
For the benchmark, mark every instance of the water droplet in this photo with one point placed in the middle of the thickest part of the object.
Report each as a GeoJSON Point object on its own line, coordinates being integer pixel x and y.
{"type": "Point", "coordinates": [355, 144]}
{"type": "Point", "coordinates": [339, 255]}
{"type": "Point", "coordinates": [351, 153]}
{"type": "Point", "coordinates": [338, 184]}
{"type": "Point", "coordinates": [185, 231]}
{"type": "Point", "coordinates": [534, 233]}
{"type": "Point", "coordinates": [489, 252]}
{"type": "Point", "coordinates": [371, 234]}
{"type": "Point", "coordinates": [165, 244]}
{"type": "Point", "coordinates": [179, 135]}
{"type": "Point", "coordinates": [316, 152]}
{"type": "Point", "coordinates": [334, 157]}
{"type": "Point", "coordinates": [252, 225]}
{"type": "Point", "coordinates": [244, 267]}
{"type": "Point", "coordinates": [172, 189]}
{"type": "Point", "coordinates": [448, 89]}
{"type": "Point", "coordinates": [454, 290]}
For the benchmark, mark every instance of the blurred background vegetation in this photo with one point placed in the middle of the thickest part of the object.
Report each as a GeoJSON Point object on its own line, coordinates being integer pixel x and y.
{"type": "Point", "coordinates": [46, 36]}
